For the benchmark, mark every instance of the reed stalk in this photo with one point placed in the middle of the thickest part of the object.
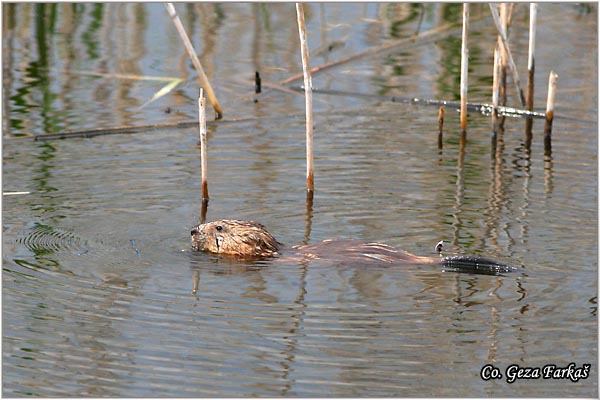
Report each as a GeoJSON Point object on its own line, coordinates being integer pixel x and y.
{"type": "Point", "coordinates": [192, 54]}
{"type": "Point", "coordinates": [531, 55]}
{"type": "Point", "coordinates": [464, 68]}
{"type": "Point", "coordinates": [504, 17]}
{"type": "Point", "coordinates": [530, 72]}
{"type": "Point", "coordinates": [203, 159]}
{"type": "Point", "coordinates": [310, 178]}
{"type": "Point", "coordinates": [553, 79]}
{"type": "Point", "coordinates": [503, 70]}
{"type": "Point", "coordinates": [511, 61]}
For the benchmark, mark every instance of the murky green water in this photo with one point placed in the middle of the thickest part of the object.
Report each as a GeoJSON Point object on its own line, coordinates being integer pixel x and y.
{"type": "Point", "coordinates": [97, 272]}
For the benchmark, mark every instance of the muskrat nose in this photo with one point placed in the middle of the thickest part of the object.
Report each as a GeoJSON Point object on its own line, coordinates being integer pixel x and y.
{"type": "Point", "coordinates": [194, 231]}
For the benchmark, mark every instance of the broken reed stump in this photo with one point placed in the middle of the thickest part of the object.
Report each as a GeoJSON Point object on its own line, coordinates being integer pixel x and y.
{"type": "Point", "coordinates": [552, 80]}
{"type": "Point", "coordinates": [257, 83]}
{"type": "Point", "coordinates": [310, 178]}
{"type": "Point", "coordinates": [464, 68]}
{"type": "Point", "coordinates": [192, 54]}
{"type": "Point", "coordinates": [440, 127]}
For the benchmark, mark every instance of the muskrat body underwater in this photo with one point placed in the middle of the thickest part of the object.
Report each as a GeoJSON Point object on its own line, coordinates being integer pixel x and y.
{"type": "Point", "coordinates": [249, 239]}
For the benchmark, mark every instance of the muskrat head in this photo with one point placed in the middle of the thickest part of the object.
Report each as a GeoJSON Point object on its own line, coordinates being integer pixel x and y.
{"type": "Point", "coordinates": [236, 238]}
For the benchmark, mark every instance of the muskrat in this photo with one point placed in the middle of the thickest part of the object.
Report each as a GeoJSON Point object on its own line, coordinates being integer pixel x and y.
{"type": "Point", "coordinates": [251, 240]}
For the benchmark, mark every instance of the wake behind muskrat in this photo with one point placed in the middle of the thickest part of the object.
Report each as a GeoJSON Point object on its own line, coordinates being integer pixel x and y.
{"type": "Point", "coordinates": [251, 240]}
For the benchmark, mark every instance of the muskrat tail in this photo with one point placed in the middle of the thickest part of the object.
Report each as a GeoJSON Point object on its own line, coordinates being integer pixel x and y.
{"type": "Point", "coordinates": [476, 264]}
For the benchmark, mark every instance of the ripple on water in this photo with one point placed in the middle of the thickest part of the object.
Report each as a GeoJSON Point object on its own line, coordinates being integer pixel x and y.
{"type": "Point", "coordinates": [211, 335]}
{"type": "Point", "coordinates": [47, 239]}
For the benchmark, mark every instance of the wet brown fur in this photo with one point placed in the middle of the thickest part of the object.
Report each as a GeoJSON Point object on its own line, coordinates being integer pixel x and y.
{"type": "Point", "coordinates": [235, 238]}
{"type": "Point", "coordinates": [248, 239]}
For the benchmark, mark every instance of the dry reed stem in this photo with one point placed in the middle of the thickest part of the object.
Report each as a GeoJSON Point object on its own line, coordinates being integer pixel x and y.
{"type": "Point", "coordinates": [162, 92]}
{"type": "Point", "coordinates": [464, 68]}
{"type": "Point", "coordinates": [553, 79]}
{"type": "Point", "coordinates": [513, 67]}
{"type": "Point", "coordinates": [203, 159]}
{"type": "Point", "coordinates": [192, 54]}
{"type": "Point", "coordinates": [310, 179]}
{"type": "Point", "coordinates": [531, 55]}
{"type": "Point", "coordinates": [503, 56]}
{"type": "Point", "coordinates": [509, 15]}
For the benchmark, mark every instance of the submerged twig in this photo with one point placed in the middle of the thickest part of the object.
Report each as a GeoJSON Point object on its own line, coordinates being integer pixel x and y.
{"type": "Point", "coordinates": [192, 54]}
{"type": "Point", "coordinates": [405, 43]}
{"type": "Point", "coordinates": [484, 108]}
{"type": "Point", "coordinates": [310, 179]}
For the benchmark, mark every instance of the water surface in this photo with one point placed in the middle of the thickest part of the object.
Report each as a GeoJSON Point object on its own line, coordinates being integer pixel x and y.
{"type": "Point", "coordinates": [97, 272]}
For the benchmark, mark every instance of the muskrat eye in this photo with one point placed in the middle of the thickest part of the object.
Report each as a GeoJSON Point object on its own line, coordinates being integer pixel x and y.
{"type": "Point", "coordinates": [439, 246]}
{"type": "Point", "coordinates": [194, 231]}
{"type": "Point", "coordinates": [219, 228]}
